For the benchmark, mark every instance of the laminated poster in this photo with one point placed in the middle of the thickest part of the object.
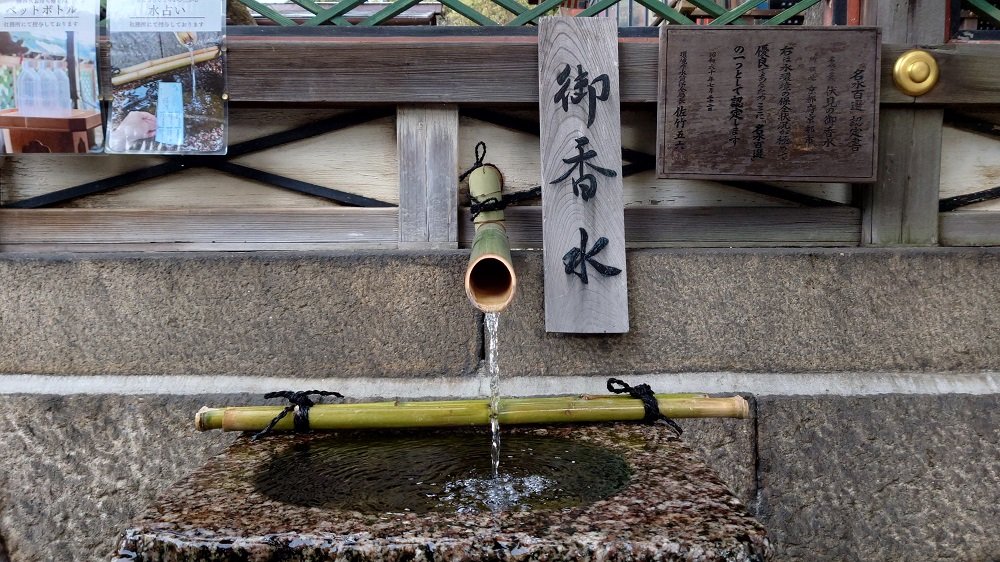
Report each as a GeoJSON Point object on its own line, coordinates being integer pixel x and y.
{"type": "Point", "coordinates": [49, 98]}
{"type": "Point", "coordinates": [168, 77]}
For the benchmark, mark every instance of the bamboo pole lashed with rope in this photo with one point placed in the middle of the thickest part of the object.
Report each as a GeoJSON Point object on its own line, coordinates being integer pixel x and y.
{"type": "Point", "coordinates": [166, 64]}
{"type": "Point", "coordinates": [490, 281]}
{"type": "Point", "coordinates": [464, 413]}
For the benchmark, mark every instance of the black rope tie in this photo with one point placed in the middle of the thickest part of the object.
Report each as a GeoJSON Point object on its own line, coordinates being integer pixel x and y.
{"type": "Point", "coordinates": [649, 403]}
{"type": "Point", "coordinates": [480, 161]}
{"type": "Point", "coordinates": [477, 207]}
{"type": "Point", "coordinates": [299, 402]}
{"type": "Point", "coordinates": [493, 204]}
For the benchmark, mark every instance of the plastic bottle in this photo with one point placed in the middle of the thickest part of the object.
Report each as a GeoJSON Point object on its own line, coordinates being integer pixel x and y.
{"type": "Point", "coordinates": [49, 99]}
{"type": "Point", "coordinates": [28, 86]}
{"type": "Point", "coordinates": [65, 104]}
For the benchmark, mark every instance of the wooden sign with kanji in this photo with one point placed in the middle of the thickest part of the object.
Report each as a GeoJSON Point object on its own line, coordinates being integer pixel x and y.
{"type": "Point", "coordinates": [769, 103]}
{"type": "Point", "coordinates": [582, 214]}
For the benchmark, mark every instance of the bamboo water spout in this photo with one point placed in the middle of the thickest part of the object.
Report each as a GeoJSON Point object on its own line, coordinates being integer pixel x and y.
{"type": "Point", "coordinates": [463, 413]}
{"type": "Point", "coordinates": [489, 279]}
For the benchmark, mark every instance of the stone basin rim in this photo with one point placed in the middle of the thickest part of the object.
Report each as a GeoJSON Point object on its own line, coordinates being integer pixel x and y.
{"type": "Point", "coordinates": [673, 508]}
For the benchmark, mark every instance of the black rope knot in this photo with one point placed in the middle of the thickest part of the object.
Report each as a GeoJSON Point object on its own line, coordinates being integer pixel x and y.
{"type": "Point", "coordinates": [477, 207]}
{"type": "Point", "coordinates": [299, 402]}
{"type": "Point", "coordinates": [494, 204]}
{"type": "Point", "coordinates": [649, 403]}
{"type": "Point", "coordinates": [480, 161]}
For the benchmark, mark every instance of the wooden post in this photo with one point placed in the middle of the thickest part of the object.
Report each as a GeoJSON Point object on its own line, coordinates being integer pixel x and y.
{"type": "Point", "coordinates": [583, 216]}
{"type": "Point", "coordinates": [427, 145]}
{"type": "Point", "coordinates": [817, 15]}
{"type": "Point", "coordinates": [902, 207]}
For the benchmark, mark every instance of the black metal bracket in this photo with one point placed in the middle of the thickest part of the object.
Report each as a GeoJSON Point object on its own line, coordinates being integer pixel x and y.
{"type": "Point", "coordinates": [223, 163]}
{"type": "Point", "coordinates": [639, 161]}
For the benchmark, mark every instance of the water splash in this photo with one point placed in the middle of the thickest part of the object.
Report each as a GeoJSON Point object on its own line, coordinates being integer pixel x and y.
{"type": "Point", "coordinates": [498, 494]}
{"type": "Point", "coordinates": [492, 322]}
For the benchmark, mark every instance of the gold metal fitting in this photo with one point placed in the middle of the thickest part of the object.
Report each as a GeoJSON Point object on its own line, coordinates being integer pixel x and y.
{"type": "Point", "coordinates": [915, 72]}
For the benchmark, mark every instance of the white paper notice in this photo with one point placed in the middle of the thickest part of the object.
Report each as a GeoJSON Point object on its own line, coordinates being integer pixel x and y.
{"type": "Point", "coordinates": [49, 15]}
{"type": "Point", "coordinates": [166, 15]}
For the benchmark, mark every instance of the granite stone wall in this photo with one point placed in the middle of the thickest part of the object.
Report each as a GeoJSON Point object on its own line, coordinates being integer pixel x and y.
{"type": "Point", "coordinates": [83, 466]}
{"type": "Point", "coordinates": [846, 477]}
{"type": "Point", "coordinates": [406, 315]}
{"type": "Point", "coordinates": [892, 477]}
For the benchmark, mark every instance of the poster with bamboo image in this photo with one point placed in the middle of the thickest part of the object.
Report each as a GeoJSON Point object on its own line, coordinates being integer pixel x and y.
{"type": "Point", "coordinates": [48, 77]}
{"type": "Point", "coordinates": [168, 77]}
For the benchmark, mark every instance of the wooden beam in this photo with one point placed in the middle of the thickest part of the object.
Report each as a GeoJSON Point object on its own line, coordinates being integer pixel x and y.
{"type": "Point", "coordinates": [653, 227]}
{"type": "Point", "coordinates": [503, 69]}
{"type": "Point", "coordinates": [188, 229]}
{"type": "Point", "coordinates": [427, 144]}
{"type": "Point", "coordinates": [970, 228]}
{"type": "Point", "coordinates": [901, 207]}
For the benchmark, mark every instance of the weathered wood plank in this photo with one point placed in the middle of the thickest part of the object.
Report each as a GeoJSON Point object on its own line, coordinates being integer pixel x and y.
{"type": "Point", "coordinates": [427, 143]}
{"type": "Point", "coordinates": [923, 191]}
{"type": "Point", "coordinates": [901, 207]}
{"type": "Point", "coordinates": [202, 227]}
{"type": "Point", "coordinates": [895, 18]}
{"type": "Point", "coordinates": [651, 227]}
{"type": "Point", "coordinates": [580, 119]}
{"type": "Point", "coordinates": [813, 17]}
{"type": "Point", "coordinates": [365, 165]}
{"type": "Point", "coordinates": [392, 67]}
{"type": "Point", "coordinates": [882, 216]}
{"type": "Point", "coordinates": [970, 228]}
{"type": "Point", "coordinates": [409, 70]}
{"type": "Point", "coordinates": [193, 247]}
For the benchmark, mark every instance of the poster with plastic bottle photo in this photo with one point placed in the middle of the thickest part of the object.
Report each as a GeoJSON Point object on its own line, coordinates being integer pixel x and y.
{"type": "Point", "coordinates": [49, 81]}
{"type": "Point", "coordinates": [168, 77]}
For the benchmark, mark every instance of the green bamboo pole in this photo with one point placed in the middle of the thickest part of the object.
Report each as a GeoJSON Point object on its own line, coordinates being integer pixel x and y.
{"type": "Point", "coordinates": [489, 279]}
{"type": "Point", "coordinates": [459, 413]}
{"type": "Point", "coordinates": [182, 56]}
{"type": "Point", "coordinates": [163, 67]}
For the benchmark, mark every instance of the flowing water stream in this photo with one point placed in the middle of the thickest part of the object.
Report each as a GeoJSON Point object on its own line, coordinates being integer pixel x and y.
{"type": "Point", "coordinates": [414, 472]}
{"type": "Point", "coordinates": [492, 322]}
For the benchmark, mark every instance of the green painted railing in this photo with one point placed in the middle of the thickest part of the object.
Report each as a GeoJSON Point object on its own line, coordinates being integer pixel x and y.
{"type": "Point", "coordinates": [526, 15]}
{"type": "Point", "coordinates": [985, 9]}
{"type": "Point", "coordinates": [521, 14]}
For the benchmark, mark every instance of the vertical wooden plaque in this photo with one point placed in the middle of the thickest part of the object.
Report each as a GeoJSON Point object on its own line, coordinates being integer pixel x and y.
{"type": "Point", "coordinates": [582, 215]}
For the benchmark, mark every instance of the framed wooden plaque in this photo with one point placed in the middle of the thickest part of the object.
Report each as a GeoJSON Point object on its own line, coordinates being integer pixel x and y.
{"type": "Point", "coordinates": [768, 103]}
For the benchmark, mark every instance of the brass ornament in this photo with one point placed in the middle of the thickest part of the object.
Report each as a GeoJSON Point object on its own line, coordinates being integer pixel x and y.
{"type": "Point", "coordinates": [915, 72]}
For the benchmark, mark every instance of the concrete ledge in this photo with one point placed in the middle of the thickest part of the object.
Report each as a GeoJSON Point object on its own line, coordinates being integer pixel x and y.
{"type": "Point", "coordinates": [302, 315]}
{"type": "Point", "coordinates": [780, 310]}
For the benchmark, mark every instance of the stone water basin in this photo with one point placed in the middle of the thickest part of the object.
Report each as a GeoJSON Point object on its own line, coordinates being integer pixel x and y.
{"type": "Point", "coordinates": [615, 492]}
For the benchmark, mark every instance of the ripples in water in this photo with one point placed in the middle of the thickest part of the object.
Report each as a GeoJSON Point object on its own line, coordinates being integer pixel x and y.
{"type": "Point", "coordinates": [452, 473]}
